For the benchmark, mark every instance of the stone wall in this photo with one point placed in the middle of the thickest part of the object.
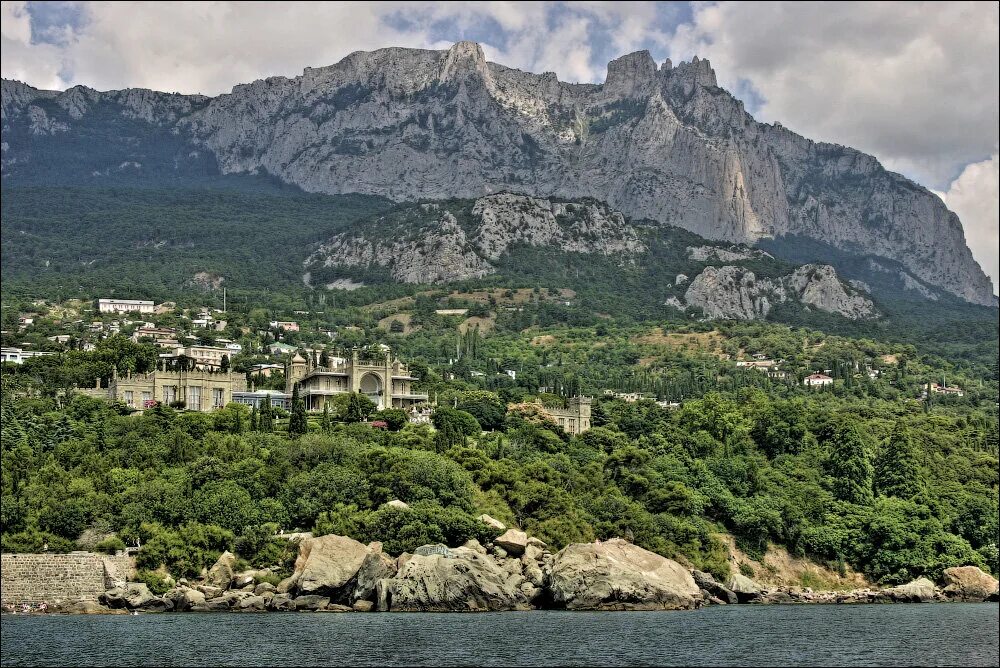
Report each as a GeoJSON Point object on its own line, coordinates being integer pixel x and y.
{"type": "Point", "coordinates": [57, 578]}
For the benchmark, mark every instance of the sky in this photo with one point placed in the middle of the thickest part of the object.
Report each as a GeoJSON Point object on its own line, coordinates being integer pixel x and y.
{"type": "Point", "coordinates": [915, 84]}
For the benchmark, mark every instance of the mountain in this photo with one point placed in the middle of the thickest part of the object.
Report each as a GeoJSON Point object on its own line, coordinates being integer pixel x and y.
{"type": "Point", "coordinates": [510, 236]}
{"type": "Point", "coordinates": [659, 143]}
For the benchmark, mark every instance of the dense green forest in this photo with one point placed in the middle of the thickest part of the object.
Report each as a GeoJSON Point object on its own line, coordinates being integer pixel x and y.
{"type": "Point", "coordinates": [863, 474]}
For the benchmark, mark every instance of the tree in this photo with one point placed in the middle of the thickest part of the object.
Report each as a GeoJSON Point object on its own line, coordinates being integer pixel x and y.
{"type": "Point", "coordinates": [326, 425]}
{"type": "Point", "coordinates": [253, 419]}
{"type": "Point", "coordinates": [486, 407]}
{"type": "Point", "coordinates": [850, 463]}
{"type": "Point", "coordinates": [896, 468]}
{"type": "Point", "coordinates": [266, 418]}
{"type": "Point", "coordinates": [298, 424]}
{"type": "Point", "coordinates": [224, 363]}
{"type": "Point", "coordinates": [395, 418]}
{"type": "Point", "coordinates": [359, 408]}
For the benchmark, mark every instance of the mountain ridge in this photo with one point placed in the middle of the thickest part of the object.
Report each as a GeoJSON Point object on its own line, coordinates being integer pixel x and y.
{"type": "Point", "coordinates": [657, 142]}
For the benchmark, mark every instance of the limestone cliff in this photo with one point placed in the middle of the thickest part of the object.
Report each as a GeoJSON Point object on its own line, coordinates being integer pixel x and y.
{"type": "Point", "coordinates": [663, 143]}
{"type": "Point", "coordinates": [733, 292]}
{"type": "Point", "coordinates": [427, 244]}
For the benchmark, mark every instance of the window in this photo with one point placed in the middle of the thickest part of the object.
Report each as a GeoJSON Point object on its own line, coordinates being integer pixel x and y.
{"type": "Point", "coordinates": [218, 400]}
{"type": "Point", "coordinates": [169, 394]}
{"type": "Point", "coordinates": [129, 398]}
{"type": "Point", "coordinates": [147, 399]}
{"type": "Point", "coordinates": [194, 397]}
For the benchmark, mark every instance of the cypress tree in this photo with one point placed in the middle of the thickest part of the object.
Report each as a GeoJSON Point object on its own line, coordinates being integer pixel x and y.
{"type": "Point", "coordinates": [897, 472]}
{"type": "Point", "coordinates": [326, 424]}
{"type": "Point", "coordinates": [298, 424]}
{"type": "Point", "coordinates": [266, 418]}
{"type": "Point", "coordinates": [850, 464]}
{"type": "Point", "coordinates": [253, 418]}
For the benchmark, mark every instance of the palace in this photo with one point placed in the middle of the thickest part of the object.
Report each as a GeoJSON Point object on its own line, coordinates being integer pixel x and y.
{"type": "Point", "coordinates": [385, 380]}
{"type": "Point", "coordinates": [198, 390]}
{"type": "Point", "coordinates": [575, 418]}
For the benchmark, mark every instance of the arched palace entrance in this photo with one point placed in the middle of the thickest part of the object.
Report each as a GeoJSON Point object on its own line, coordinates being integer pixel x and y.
{"type": "Point", "coordinates": [371, 386]}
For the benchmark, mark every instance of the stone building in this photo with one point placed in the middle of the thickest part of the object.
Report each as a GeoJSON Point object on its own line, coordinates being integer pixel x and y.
{"type": "Point", "coordinates": [384, 379]}
{"type": "Point", "coordinates": [575, 418]}
{"type": "Point", "coordinates": [200, 390]}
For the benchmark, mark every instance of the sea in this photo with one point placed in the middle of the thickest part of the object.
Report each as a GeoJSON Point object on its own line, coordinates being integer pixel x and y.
{"type": "Point", "coordinates": [956, 634]}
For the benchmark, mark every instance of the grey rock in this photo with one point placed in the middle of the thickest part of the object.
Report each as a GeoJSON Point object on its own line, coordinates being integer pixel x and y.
{"type": "Point", "coordinates": [363, 606]}
{"type": "Point", "coordinates": [513, 542]}
{"type": "Point", "coordinates": [221, 573]}
{"type": "Point", "coordinates": [185, 598]}
{"type": "Point", "coordinates": [468, 582]}
{"type": "Point", "coordinates": [736, 293]}
{"type": "Point", "coordinates": [263, 587]}
{"type": "Point", "coordinates": [311, 602]}
{"type": "Point", "coordinates": [969, 583]}
{"type": "Point", "coordinates": [616, 575]}
{"type": "Point", "coordinates": [746, 590]}
{"type": "Point", "coordinates": [281, 602]}
{"type": "Point", "coordinates": [210, 592]}
{"type": "Point", "coordinates": [376, 566]}
{"type": "Point", "coordinates": [713, 587]}
{"type": "Point", "coordinates": [253, 603]}
{"type": "Point", "coordinates": [327, 564]}
{"type": "Point", "coordinates": [920, 590]}
{"type": "Point", "coordinates": [492, 522]}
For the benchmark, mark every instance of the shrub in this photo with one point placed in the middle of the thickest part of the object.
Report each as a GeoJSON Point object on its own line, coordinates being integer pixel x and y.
{"type": "Point", "coordinates": [157, 584]}
{"type": "Point", "coordinates": [110, 545]}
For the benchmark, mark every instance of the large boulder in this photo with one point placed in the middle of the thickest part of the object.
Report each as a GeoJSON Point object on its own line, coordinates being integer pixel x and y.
{"type": "Point", "coordinates": [376, 566]}
{"type": "Point", "coordinates": [616, 575]}
{"type": "Point", "coordinates": [133, 595]}
{"type": "Point", "coordinates": [327, 564]}
{"type": "Point", "coordinates": [221, 573]}
{"type": "Point", "coordinates": [969, 583]}
{"type": "Point", "coordinates": [746, 590]}
{"type": "Point", "coordinates": [513, 542]}
{"type": "Point", "coordinates": [88, 608]}
{"type": "Point", "coordinates": [185, 598]}
{"type": "Point", "coordinates": [920, 590]}
{"type": "Point", "coordinates": [311, 602]}
{"type": "Point", "coordinates": [492, 522]}
{"type": "Point", "coordinates": [714, 588]}
{"type": "Point", "coordinates": [465, 581]}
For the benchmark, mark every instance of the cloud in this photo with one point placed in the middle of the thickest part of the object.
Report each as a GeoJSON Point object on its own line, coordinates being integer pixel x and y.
{"type": "Point", "coordinates": [38, 64]}
{"type": "Point", "coordinates": [975, 197]}
{"type": "Point", "coordinates": [915, 84]}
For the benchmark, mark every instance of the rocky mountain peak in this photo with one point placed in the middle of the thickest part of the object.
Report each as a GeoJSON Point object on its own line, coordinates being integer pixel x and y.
{"type": "Point", "coordinates": [462, 60]}
{"type": "Point", "coordinates": [631, 74]}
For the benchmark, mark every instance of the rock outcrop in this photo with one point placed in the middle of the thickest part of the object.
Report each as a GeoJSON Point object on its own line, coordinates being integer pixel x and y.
{"type": "Point", "coordinates": [428, 244]}
{"type": "Point", "coordinates": [969, 583]}
{"type": "Point", "coordinates": [746, 590]}
{"type": "Point", "coordinates": [920, 590]}
{"type": "Point", "coordinates": [616, 575]}
{"type": "Point", "coordinates": [221, 573]}
{"type": "Point", "coordinates": [661, 143]}
{"type": "Point", "coordinates": [329, 565]}
{"type": "Point", "coordinates": [735, 293]}
{"type": "Point", "coordinates": [463, 581]}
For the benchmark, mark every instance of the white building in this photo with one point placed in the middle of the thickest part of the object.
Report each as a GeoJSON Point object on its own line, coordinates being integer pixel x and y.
{"type": "Point", "coordinates": [817, 379]}
{"type": "Point", "coordinates": [124, 306]}
{"type": "Point", "coordinates": [18, 355]}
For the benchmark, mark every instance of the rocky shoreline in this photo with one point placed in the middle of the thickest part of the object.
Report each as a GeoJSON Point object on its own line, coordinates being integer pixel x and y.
{"type": "Point", "coordinates": [515, 572]}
